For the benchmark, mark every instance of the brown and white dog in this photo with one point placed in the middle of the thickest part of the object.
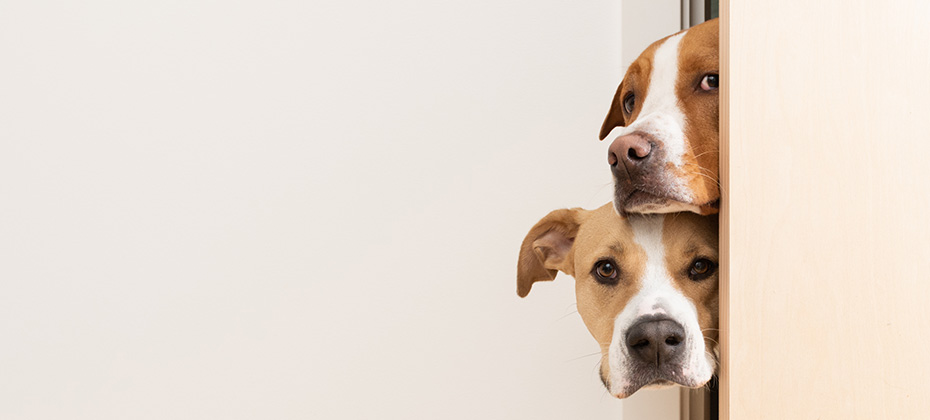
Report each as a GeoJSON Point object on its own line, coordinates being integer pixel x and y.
{"type": "Point", "coordinates": [664, 120]}
{"type": "Point", "coordinates": [646, 288]}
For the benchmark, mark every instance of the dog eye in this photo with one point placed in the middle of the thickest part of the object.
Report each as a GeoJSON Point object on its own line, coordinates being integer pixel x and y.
{"type": "Point", "coordinates": [629, 102]}
{"type": "Point", "coordinates": [710, 82]}
{"type": "Point", "coordinates": [606, 272]}
{"type": "Point", "coordinates": [701, 269]}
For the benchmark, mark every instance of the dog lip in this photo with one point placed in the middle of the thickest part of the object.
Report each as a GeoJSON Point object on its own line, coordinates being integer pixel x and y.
{"type": "Point", "coordinates": [647, 375]}
{"type": "Point", "coordinates": [662, 382]}
{"type": "Point", "coordinates": [642, 195]}
{"type": "Point", "coordinates": [641, 200]}
{"type": "Point", "coordinates": [638, 197]}
{"type": "Point", "coordinates": [713, 204]}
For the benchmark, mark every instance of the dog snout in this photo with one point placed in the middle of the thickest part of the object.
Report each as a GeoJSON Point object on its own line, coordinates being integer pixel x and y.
{"type": "Point", "coordinates": [630, 150]}
{"type": "Point", "coordinates": [656, 342]}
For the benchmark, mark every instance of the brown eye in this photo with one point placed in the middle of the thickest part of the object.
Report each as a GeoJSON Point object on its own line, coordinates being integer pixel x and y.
{"type": "Point", "coordinates": [710, 82]}
{"type": "Point", "coordinates": [606, 272]}
{"type": "Point", "coordinates": [629, 103]}
{"type": "Point", "coordinates": [701, 269]}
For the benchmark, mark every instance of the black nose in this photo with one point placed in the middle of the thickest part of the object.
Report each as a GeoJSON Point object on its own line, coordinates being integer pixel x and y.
{"type": "Point", "coordinates": [656, 341]}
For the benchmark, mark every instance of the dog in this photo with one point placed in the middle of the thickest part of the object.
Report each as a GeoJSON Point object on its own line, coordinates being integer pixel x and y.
{"type": "Point", "coordinates": [664, 120]}
{"type": "Point", "coordinates": [646, 288]}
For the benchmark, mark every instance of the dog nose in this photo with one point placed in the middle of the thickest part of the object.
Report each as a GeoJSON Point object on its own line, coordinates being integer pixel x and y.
{"type": "Point", "coordinates": [656, 341]}
{"type": "Point", "coordinates": [632, 147]}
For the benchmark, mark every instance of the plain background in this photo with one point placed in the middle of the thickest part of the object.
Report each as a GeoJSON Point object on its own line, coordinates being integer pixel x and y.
{"type": "Point", "coordinates": [288, 209]}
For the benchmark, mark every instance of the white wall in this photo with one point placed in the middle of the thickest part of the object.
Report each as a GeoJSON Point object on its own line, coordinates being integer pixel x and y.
{"type": "Point", "coordinates": [644, 22]}
{"type": "Point", "coordinates": [290, 209]}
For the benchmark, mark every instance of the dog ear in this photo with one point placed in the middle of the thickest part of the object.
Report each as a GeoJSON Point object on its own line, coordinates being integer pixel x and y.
{"type": "Point", "coordinates": [615, 115]}
{"type": "Point", "coordinates": [547, 249]}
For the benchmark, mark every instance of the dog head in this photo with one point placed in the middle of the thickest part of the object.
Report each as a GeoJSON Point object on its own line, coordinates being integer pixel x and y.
{"type": "Point", "coordinates": [664, 121]}
{"type": "Point", "coordinates": [646, 288]}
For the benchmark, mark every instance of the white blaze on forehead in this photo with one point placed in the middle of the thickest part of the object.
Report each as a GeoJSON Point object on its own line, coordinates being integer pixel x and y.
{"type": "Point", "coordinates": [647, 233]}
{"type": "Point", "coordinates": [657, 296]}
{"type": "Point", "coordinates": [660, 115]}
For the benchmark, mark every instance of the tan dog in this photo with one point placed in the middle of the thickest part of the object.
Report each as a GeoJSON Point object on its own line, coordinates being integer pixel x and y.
{"type": "Point", "coordinates": [646, 288]}
{"type": "Point", "coordinates": [664, 121]}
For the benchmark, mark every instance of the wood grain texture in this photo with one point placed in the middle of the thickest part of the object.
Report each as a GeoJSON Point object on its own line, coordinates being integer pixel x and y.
{"type": "Point", "coordinates": [825, 141]}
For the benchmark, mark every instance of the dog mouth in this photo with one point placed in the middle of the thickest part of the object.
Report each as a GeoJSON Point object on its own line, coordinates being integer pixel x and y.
{"type": "Point", "coordinates": [645, 201]}
{"type": "Point", "coordinates": [639, 198]}
{"type": "Point", "coordinates": [655, 377]}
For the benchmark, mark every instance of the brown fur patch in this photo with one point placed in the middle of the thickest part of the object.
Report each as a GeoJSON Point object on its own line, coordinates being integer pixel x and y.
{"type": "Point", "coordinates": [635, 81]}
{"type": "Point", "coordinates": [543, 253]}
{"type": "Point", "coordinates": [686, 237]}
{"type": "Point", "coordinates": [699, 56]}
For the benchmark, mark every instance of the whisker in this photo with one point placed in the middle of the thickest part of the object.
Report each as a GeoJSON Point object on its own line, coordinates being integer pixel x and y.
{"type": "Point", "coordinates": [582, 357]}
{"type": "Point", "coordinates": [707, 152]}
{"type": "Point", "coordinates": [712, 179]}
{"type": "Point", "coordinates": [707, 172]}
{"type": "Point", "coordinates": [565, 316]}
{"type": "Point", "coordinates": [598, 192]}
{"type": "Point", "coordinates": [700, 171]}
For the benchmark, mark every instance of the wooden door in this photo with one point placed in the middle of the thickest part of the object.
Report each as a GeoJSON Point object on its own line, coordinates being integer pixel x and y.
{"type": "Point", "coordinates": [826, 214]}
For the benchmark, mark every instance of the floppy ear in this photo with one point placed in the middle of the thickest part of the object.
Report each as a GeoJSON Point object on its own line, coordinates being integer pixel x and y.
{"type": "Point", "coordinates": [547, 249]}
{"type": "Point", "coordinates": [615, 115]}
